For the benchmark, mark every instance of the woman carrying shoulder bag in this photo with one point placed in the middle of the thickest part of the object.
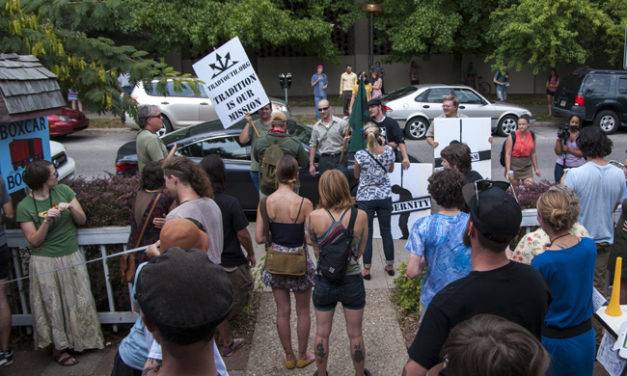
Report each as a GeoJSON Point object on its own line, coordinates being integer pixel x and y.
{"type": "Point", "coordinates": [374, 193]}
{"type": "Point", "coordinates": [281, 226]}
{"type": "Point", "coordinates": [325, 226]}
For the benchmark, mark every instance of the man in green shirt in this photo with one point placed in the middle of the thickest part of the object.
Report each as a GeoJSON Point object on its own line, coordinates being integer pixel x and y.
{"type": "Point", "coordinates": [148, 145]}
{"type": "Point", "coordinates": [248, 135]}
{"type": "Point", "coordinates": [278, 133]}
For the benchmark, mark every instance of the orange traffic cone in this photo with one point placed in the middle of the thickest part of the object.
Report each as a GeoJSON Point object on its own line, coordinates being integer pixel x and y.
{"type": "Point", "coordinates": [613, 309]}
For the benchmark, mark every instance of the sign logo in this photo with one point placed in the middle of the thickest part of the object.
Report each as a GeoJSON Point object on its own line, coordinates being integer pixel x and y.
{"type": "Point", "coordinates": [220, 65]}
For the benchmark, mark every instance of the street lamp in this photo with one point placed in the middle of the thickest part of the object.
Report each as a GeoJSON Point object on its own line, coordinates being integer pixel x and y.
{"type": "Point", "coordinates": [372, 9]}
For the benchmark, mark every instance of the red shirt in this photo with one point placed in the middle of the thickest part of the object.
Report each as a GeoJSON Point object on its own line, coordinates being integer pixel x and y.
{"type": "Point", "coordinates": [524, 145]}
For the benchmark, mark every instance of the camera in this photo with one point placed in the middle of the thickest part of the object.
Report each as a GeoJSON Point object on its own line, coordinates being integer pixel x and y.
{"type": "Point", "coordinates": [563, 133]}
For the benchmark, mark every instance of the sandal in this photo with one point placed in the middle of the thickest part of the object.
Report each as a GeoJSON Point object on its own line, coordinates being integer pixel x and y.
{"type": "Point", "coordinates": [302, 363]}
{"type": "Point", "coordinates": [366, 275]}
{"type": "Point", "coordinates": [66, 360]}
{"type": "Point", "coordinates": [230, 349]}
{"type": "Point", "coordinates": [390, 271]}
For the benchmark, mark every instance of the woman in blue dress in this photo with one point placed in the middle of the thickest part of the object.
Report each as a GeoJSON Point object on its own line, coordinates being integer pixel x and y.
{"type": "Point", "coordinates": [568, 267]}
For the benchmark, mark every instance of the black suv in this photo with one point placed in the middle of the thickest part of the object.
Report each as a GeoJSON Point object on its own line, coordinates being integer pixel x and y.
{"type": "Point", "coordinates": [596, 95]}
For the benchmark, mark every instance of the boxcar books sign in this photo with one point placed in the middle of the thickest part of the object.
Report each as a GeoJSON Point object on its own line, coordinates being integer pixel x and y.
{"type": "Point", "coordinates": [22, 142]}
{"type": "Point", "coordinates": [474, 132]}
{"type": "Point", "coordinates": [233, 86]}
{"type": "Point", "coordinates": [410, 199]}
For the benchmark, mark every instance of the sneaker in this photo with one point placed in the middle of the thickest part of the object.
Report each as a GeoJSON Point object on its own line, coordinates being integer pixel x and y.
{"type": "Point", "coordinates": [6, 357]}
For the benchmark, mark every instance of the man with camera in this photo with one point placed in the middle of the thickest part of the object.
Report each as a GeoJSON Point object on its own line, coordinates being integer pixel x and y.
{"type": "Point", "coordinates": [568, 154]}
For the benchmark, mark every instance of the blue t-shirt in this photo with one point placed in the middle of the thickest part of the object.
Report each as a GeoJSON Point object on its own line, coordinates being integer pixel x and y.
{"type": "Point", "coordinates": [570, 274]}
{"type": "Point", "coordinates": [599, 188]}
{"type": "Point", "coordinates": [374, 182]}
{"type": "Point", "coordinates": [438, 238]}
{"type": "Point", "coordinates": [318, 89]}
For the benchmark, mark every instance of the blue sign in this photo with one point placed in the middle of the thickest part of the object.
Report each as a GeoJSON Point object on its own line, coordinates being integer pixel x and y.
{"type": "Point", "coordinates": [22, 142]}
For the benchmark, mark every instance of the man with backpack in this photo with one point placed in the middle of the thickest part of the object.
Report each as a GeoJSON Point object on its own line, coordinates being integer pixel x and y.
{"type": "Point", "coordinates": [270, 148]}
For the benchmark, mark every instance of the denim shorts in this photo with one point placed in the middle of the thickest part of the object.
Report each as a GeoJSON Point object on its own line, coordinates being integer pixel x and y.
{"type": "Point", "coordinates": [350, 292]}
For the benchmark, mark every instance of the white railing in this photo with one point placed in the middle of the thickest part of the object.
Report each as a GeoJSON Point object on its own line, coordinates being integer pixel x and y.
{"type": "Point", "coordinates": [103, 236]}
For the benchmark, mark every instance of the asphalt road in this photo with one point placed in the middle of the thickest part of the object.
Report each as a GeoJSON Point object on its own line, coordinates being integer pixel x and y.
{"type": "Point", "coordinates": [95, 151]}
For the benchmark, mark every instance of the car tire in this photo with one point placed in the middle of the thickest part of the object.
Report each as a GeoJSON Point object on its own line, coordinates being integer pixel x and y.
{"type": "Point", "coordinates": [416, 128]}
{"type": "Point", "coordinates": [507, 125]}
{"type": "Point", "coordinates": [607, 120]}
{"type": "Point", "coordinates": [167, 126]}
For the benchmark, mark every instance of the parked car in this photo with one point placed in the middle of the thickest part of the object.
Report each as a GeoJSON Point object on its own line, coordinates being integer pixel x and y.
{"type": "Point", "coordinates": [414, 107]}
{"type": "Point", "coordinates": [596, 95]}
{"type": "Point", "coordinates": [68, 121]}
{"type": "Point", "coordinates": [66, 166]}
{"type": "Point", "coordinates": [207, 138]}
{"type": "Point", "coordinates": [184, 107]}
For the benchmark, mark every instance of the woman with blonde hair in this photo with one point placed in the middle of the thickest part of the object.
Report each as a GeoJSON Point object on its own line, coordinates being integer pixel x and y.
{"type": "Point", "coordinates": [325, 226]}
{"type": "Point", "coordinates": [374, 193]}
{"type": "Point", "coordinates": [568, 267]}
{"type": "Point", "coordinates": [281, 226]}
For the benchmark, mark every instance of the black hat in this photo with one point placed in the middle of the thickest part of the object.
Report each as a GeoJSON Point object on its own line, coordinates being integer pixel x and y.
{"type": "Point", "coordinates": [182, 289]}
{"type": "Point", "coordinates": [374, 102]}
{"type": "Point", "coordinates": [494, 212]}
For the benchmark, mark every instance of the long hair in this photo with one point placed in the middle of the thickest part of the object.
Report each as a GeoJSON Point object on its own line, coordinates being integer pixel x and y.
{"type": "Point", "coordinates": [190, 173]}
{"type": "Point", "coordinates": [334, 191]}
{"type": "Point", "coordinates": [214, 167]}
{"type": "Point", "coordinates": [371, 133]}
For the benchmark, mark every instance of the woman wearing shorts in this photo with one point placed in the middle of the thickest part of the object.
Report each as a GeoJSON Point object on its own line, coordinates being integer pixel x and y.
{"type": "Point", "coordinates": [324, 225]}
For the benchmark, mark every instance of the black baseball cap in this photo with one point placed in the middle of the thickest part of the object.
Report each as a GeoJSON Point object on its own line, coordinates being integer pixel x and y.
{"type": "Point", "coordinates": [374, 102]}
{"type": "Point", "coordinates": [182, 289]}
{"type": "Point", "coordinates": [494, 212]}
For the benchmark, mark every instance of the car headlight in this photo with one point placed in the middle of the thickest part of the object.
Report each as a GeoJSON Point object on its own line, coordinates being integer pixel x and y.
{"type": "Point", "coordinates": [64, 118]}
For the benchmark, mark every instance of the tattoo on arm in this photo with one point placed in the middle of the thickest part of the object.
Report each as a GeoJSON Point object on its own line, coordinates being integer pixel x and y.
{"type": "Point", "coordinates": [153, 366]}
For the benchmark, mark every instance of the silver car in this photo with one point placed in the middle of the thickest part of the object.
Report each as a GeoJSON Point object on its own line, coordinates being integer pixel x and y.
{"type": "Point", "coordinates": [184, 107]}
{"type": "Point", "coordinates": [415, 106]}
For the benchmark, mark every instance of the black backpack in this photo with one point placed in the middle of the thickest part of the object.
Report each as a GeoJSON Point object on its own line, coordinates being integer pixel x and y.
{"type": "Point", "coordinates": [513, 134]}
{"type": "Point", "coordinates": [333, 256]}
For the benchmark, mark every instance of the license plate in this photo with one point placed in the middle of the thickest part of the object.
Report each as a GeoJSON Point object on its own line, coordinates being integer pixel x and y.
{"type": "Point", "coordinates": [563, 103]}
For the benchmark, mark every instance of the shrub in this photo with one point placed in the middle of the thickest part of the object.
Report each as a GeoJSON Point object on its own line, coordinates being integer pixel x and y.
{"type": "Point", "coordinates": [527, 195]}
{"type": "Point", "coordinates": [106, 200]}
{"type": "Point", "coordinates": [407, 291]}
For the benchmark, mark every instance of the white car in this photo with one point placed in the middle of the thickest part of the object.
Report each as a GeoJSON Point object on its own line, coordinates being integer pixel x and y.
{"type": "Point", "coordinates": [415, 106]}
{"type": "Point", "coordinates": [182, 108]}
{"type": "Point", "coordinates": [66, 166]}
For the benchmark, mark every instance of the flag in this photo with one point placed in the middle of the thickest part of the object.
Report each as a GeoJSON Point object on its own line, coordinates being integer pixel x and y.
{"type": "Point", "coordinates": [359, 117]}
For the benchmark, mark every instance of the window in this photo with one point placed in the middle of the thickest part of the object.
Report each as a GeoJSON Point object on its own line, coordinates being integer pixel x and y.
{"type": "Point", "coordinates": [597, 83]}
{"type": "Point", "coordinates": [622, 85]}
{"type": "Point", "coordinates": [227, 147]}
{"type": "Point", "coordinates": [467, 97]}
{"type": "Point", "coordinates": [183, 91]}
{"type": "Point", "coordinates": [434, 95]}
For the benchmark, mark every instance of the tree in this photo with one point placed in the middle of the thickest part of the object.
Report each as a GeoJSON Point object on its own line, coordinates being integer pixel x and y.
{"type": "Point", "coordinates": [544, 33]}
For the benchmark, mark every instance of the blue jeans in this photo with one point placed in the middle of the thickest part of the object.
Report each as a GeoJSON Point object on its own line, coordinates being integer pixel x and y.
{"type": "Point", "coordinates": [383, 208]}
{"type": "Point", "coordinates": [316, 100]}
{"type": "Point", "coordinates": [558, 172]}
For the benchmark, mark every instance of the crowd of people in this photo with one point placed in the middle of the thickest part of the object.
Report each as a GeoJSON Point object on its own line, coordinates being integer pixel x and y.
{"type": "Point", "coordinates": [479, 297]}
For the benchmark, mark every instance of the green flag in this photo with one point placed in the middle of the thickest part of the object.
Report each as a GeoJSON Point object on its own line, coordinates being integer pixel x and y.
{"type": "Point", "coordinates": [359, 117]}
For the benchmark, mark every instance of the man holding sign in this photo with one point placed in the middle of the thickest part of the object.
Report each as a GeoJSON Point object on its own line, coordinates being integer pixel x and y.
{"type": "Point", "coordinates": [253, 131]}
{"type": "Point", "coordinates": [450, 104]}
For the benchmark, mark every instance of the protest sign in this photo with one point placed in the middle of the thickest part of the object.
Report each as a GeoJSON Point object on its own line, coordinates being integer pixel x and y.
{"type": "Point", "coordinates": [234, 87]}
{"type": "Point", "coordinates": [22, 142]}
{"type": "Point", "coordinates": [410, 199]}
{"type": "Point", "coordinates": [474, 132]}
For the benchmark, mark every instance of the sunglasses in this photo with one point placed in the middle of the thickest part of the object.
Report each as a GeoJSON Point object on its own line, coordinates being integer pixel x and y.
{"type": "Point", "coordinates": [155, 116]}
{"type": "Point", "coordinates": [323, 108]}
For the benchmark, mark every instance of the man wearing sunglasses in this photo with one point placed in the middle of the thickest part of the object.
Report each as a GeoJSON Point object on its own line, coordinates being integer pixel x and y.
{"type": "Point", "coordinates": [149, 146]}
{"type": "Point", "coordinates": [496, 285]}
{"type": "Point", "coordinates": [327, 136]}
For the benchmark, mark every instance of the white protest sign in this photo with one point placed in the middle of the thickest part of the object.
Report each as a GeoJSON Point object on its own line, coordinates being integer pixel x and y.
{"type": "Point", "coordinates": [474, 132]}
{"type": "Point", "coordinates": [410, 199]}
{"type": "Point", "coordinates": [233, 86]}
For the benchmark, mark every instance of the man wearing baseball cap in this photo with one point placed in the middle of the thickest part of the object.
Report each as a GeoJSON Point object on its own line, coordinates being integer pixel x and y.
{"type": "Point", "coordinates": [183, 298]}
{"type": "Point", "coordinates": [319, 82]}
{"type": "Point", "coordinates": [390, 130]}
{"type": "Point", "coordinates": [496, 285]}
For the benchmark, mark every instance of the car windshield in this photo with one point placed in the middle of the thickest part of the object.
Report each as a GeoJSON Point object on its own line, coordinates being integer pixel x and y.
{"type": "Point", "coordinates": [399, 93]}
{"type": "Point", "coordinates": [172, 89]}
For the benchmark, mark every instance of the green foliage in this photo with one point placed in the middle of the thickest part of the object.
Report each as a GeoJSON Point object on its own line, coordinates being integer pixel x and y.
{"type": "Point", "coordinates": [257, 270]}
{"type": "Point", "coordinates": [107, 201]}
{"type": "Point", "coordinates": [543, 33]}
{"type": "Point", "coordinates": [407, 291]}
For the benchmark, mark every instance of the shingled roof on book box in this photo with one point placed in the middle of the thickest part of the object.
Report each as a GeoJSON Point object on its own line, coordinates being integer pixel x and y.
{"type": "Point", "coordinates": [27, 89]}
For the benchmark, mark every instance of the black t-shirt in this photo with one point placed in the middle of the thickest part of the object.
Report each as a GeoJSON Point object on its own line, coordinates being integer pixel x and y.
{"type": "Point", "coordinates": [516, 292]}
{"type": "Point", "coordinates": [233, 220]}
{"type": "Point", "coordinates": [390, 130]}
{"type": "Point", "coordinates": [472, 176]}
